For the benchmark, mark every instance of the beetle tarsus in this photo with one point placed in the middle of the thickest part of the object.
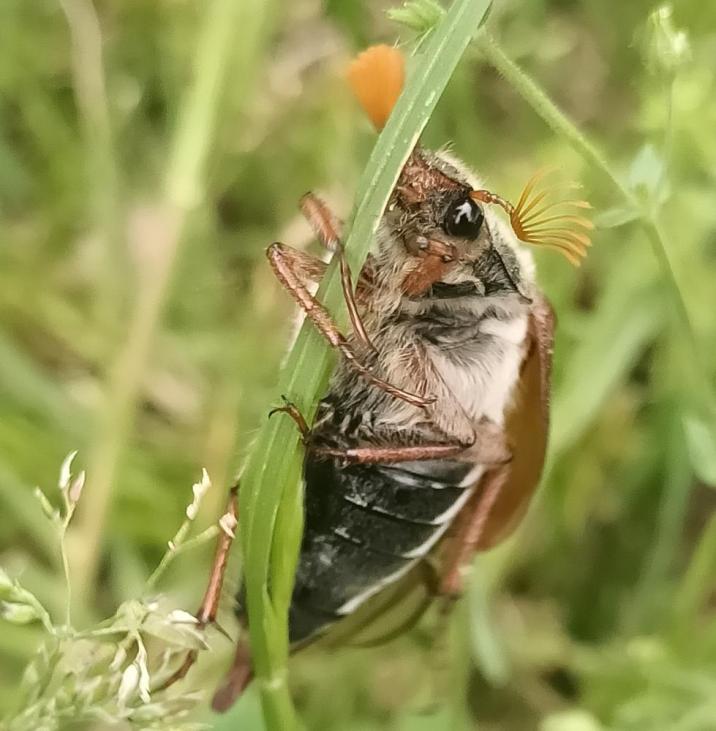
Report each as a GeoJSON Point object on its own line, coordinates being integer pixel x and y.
{"type": "Point", "coordinates": [293, 411]}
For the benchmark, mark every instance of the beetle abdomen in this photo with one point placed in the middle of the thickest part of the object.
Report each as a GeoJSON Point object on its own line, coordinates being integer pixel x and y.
{"type": "Point", "coordinates": [365, 526]}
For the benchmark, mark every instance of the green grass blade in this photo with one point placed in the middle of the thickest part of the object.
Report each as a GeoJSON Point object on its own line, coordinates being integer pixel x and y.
{"type": "Point", "coordinates": [272, 477]}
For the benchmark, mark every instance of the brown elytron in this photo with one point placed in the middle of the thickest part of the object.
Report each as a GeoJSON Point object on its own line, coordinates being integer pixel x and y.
{"type": "Point", "coordinates": [431, 438]}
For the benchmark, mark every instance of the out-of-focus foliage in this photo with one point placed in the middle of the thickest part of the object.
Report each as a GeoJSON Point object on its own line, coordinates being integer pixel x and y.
{"type": "Point", "coordinates": [104, 674]}
{"type": "Point", "coordinates": [596, 616]}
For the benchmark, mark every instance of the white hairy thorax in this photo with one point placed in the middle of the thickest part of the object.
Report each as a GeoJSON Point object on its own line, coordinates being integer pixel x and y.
{"type": "Point", "coordinates": [484, 384]}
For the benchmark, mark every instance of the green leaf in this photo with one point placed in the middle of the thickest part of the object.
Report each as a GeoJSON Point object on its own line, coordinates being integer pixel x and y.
{"type": "Point", "coordinates": [646, 175]}
{"type": "Point", "coordinates": [617, 216]}
{"type": "Point", "coordinates": [17, 613]}
{"type": "Point", "coordinates": [419, 15]}
{"type": "Point", "coordinates": [665, 47]}
{"type": "Point", "coordinates": [6, 584]}
{"type": "Point", "coordinates": [19, 606]}
{"type": "Point", "coordinates": [48, 510]}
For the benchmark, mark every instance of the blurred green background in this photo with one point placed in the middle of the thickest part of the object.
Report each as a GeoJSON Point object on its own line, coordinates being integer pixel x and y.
{"type": "Point", "coordinates": [139, 324]}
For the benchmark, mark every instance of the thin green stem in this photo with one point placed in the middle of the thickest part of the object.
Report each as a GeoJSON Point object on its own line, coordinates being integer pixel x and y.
{"type": "Point", "coordinates": [177, 546]}
{"type": "Point", "coordinates": [695, 367]}
{"type": "Point", "coordinates": [168, 556]}
{"type": "Point", "coordinates": [546, 109]}
{"type": "Point", "coordinates": [667, 145]}
{"type": "Point", "coordinates": [205, 536]}
{"type": "Point", "coordinates": [69, 506]}
{"type": "Point", "coordinates": [68, 583]}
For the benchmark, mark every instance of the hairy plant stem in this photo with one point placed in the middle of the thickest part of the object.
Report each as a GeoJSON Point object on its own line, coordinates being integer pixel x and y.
{"type": "Point", "coordinates": [563, 127]}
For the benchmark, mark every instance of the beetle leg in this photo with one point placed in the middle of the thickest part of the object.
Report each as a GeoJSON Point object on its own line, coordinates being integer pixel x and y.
{"type": "Point", "coordinates": [321, 219]}
{"type": "Point", "coordinates": [491, 452]}
{"type": "Point", "coordinates": [391, 455]}
{"type": "Point", "coordinates": [307, 267]}
{"type": "Point", "coordinates": [239, 676]}
{"type": "Point", "coordinates": [282, 265]}
{"type": "Point", "coordinates": [299, 419]}
{"type": "Point", "coordinates": [327, 228]}
{"type": "Point", "coordinates": [486, 446]}
{"type": "Point", "coordinates": [210, 603]}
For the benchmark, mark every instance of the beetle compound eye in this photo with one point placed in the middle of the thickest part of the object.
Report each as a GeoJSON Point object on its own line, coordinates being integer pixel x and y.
{"type": "Point", "coordinates": [464, 219]}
